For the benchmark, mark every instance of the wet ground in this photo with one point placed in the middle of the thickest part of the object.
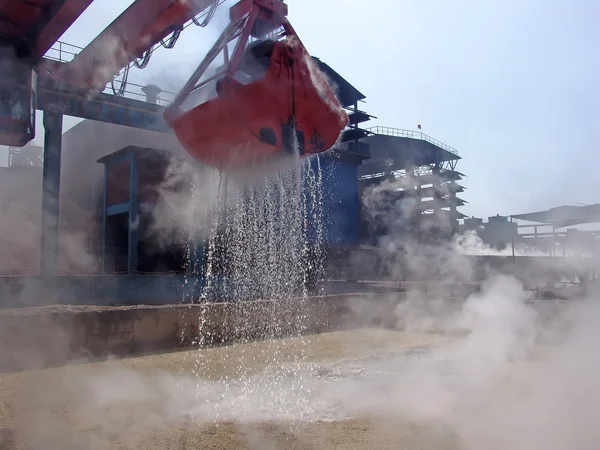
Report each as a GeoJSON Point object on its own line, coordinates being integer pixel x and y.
{"type": "Point", "coordinates": [318, 392]}
{"type": "Point", "coordinates": [361, 389]}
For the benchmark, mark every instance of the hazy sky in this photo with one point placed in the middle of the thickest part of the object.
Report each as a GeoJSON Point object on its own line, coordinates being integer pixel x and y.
{"type": "Point", "coordinates": [511, 84]}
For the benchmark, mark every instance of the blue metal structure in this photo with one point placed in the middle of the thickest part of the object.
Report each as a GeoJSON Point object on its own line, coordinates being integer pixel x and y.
{"type": "Point", "coordinates": [340, 198]}
{"type": "Point", "coordinates": [104, 108]}
{"type": "Point", "coordinates": [339, 169]}
{"type": "Point", "coordinates": [130, 206]}
{"type": "Point", "coordinates": [50, 190]}
{"type": "Point", "coordinates": [121, 111]}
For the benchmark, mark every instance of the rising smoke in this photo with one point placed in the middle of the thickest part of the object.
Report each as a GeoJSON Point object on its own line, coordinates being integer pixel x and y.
{"type": "Point", "coordinates": [504, 372]}
{"type": "Point", "coordinates": [262, 230]}
{"type": "Point", "coordinates": [497, 384]}
{"type": "Point", "coordinates": [21, 227]}
{"type": "Point", "coordinates": [507, 373]}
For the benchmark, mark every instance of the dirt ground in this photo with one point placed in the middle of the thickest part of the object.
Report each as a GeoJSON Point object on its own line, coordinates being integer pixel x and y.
{"type": "Point", "coordinates": [136, 403]}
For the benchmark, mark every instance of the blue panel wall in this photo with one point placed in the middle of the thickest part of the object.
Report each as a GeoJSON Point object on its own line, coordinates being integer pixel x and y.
{"type": "Point", "coordinates": [340, 198]}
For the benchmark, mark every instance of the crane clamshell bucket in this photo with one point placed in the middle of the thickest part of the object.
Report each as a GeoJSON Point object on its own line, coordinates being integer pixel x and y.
{"type": "Point", "coordinates": [269, 102]}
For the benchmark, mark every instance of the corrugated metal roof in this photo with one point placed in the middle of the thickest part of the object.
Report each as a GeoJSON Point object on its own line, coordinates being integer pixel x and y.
{"type": "Point", "coordinates": [563, 216]}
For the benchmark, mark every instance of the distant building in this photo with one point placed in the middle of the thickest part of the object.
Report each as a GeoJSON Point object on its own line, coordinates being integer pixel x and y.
{"type": "Point", "coordinates": [82, 187]}
{"type": "Point", "coordinates": [472, 223]}
{"type": "Point", "coordinates": [498, 232]}
{"type": "Point", "coordinates": [21, 205]}
{"type": "Point", "coordinates": [409, 187]}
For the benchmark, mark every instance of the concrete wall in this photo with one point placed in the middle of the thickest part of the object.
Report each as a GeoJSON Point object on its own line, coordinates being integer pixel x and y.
{"type": "Point", "coordinates": [82, 177]}
{"type": "Point", "coordinates": [345, 270]}
{"type": "Point", "coordinates": [81, 182]}
{"type": "Point", "coordinates": [43, 337]}
{"type": "Point", "coordinates": [20, 225]}
{"type": "Point", "coordinates": [21, 211]}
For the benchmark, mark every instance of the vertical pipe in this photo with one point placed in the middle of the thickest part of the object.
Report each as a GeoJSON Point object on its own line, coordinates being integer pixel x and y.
{"type": "Point", "coordinates": [133, 236]}
{"type": "Point", "coordinates": [50, 191]}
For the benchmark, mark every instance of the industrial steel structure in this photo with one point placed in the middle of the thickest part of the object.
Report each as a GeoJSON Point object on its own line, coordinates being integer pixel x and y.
{"type": "Point", "coordinates": [111, 179]}
{"type": "Point", "coordinates": [30, 81]}
{"type": "Point", "coordinates": [416, 177]}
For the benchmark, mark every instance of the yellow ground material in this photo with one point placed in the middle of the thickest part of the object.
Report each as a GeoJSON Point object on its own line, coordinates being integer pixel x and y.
{"type": "Point", "coordinates": [58, 408]}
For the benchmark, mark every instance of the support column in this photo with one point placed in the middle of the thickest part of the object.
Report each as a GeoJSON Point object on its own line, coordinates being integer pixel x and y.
{"type": "Point", "coordinates": [104, 221]}
{"type": "Point", "coordinates": [453, 210]}
{"type": "Point", "coordinates": [437, 185]}
{"type": "Point", "coordinates": [53, 121]}
{"type": "Point", "coordinates": [133, 237]}
{"type": "Point", "coordinates": [440, 226]}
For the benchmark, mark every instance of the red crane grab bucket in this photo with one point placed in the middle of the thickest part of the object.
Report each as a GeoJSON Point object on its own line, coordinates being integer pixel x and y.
{"type": "Point", "coordinates": [267, 101]}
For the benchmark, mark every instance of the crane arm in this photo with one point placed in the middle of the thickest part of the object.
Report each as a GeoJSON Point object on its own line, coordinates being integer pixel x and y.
{"type": "Point", "coordinates": [66, 12]}
{"type": "Point", "coordinates": [30, 28]}
{"type": "Point", "coordinates": [135, 31]}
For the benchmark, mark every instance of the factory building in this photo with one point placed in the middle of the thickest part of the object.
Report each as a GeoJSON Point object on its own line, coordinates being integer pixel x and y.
{"type": "Point", "coordinates": [498, 232]}
{"type": "Point", "coordinates": [131, 165]}
{"type": "Point", "coordinates": [540, 233]}
{"type": "Point", "coordinates": [113, 175]}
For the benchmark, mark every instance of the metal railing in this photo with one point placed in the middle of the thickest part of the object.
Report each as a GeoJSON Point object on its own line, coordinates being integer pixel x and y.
{"type": "Point", "coordinates": [398, 132]}
{"type": "Point", "coordinates": [134, 91]}
{"type": "Point", "coordinates": [63, 52]}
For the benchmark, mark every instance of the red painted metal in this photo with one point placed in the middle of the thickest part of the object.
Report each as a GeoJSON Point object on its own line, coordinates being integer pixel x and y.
{"type": "Point", "coordinates": [68, 13]}
{"type": "Point", "coordinates": [268, 101]}
{"type": "Point", "coordinates": [285, 105]}
{"type": "Point", "coordinates": [136, 30]}
{"type": "Point", "coordinates": [18, 17]}
{"type": "Point", "coordinates": [37, 24]}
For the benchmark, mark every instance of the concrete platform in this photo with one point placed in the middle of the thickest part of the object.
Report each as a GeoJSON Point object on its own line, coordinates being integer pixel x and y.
{"type": "Point", "coordinates": [359, 387]}
{"type": "Point", "coordinates": [33, 338]}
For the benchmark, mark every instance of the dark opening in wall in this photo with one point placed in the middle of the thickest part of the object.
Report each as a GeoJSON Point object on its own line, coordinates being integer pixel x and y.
{"type": "Point", "coordinates": [117, 229]}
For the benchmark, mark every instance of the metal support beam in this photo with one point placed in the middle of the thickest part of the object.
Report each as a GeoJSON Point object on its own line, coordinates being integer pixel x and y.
{"type": "Point", "coordinates": [453, 206]}
{"type": "Point", "coordinates": [53, 121]}
{"type": "Point", "coordinates": [106, 108]}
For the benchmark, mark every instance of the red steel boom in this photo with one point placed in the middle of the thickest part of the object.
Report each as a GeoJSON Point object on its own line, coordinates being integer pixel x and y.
{"type": "Point", "coordinates": [127, 38]}
{"type": "Point", "coordinates": [266, 101]}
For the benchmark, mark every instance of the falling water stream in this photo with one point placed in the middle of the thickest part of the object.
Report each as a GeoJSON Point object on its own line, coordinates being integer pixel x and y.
{"type": "Point", "coordinates": [263, 234]}
{"type": "Point", "coordinates": [264, 243]}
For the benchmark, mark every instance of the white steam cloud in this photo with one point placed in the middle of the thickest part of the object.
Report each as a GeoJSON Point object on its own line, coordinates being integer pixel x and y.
{"type": "Point", "coordinates": [499, 383]}
{"type": "Point", "coordinates": [508, 373]}
{"type": "Point", "coordinates": [504, 372]}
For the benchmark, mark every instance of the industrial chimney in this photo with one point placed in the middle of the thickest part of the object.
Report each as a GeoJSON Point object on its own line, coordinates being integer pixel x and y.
{"type": "Point", "coordinates": [151, 92]}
